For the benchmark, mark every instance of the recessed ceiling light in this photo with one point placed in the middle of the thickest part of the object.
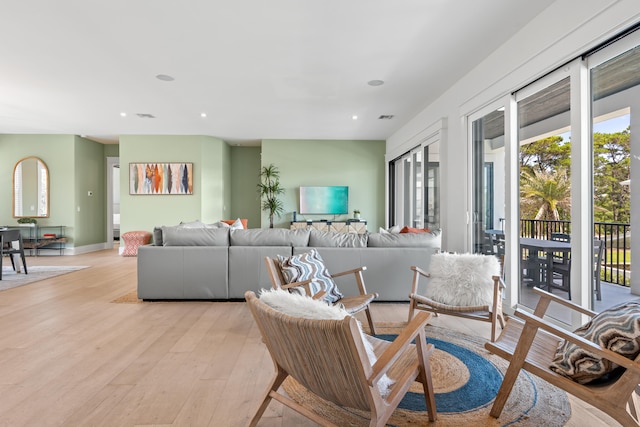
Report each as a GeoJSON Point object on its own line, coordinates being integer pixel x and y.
{"type": "Point", "coordinates": [123, 114]}
{"type": "Point", "coordinates": [375, 82]}
{"type": "Point", "coordinates": [203, 114]}
{"type": "Point", "coordinates": [354, 117]}
{"type": "Point", "coordinates": [165, 78]}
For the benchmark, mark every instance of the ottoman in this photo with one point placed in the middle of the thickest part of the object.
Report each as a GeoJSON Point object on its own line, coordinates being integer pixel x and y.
{"type": "Point", "coordinates": [133, 240]}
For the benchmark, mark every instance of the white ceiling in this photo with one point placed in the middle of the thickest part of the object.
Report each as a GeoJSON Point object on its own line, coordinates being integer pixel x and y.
{"type": "Point", "coordinates": [290, 69]}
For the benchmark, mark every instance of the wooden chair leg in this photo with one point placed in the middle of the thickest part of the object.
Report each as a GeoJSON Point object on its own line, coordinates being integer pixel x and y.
{"type": "Point", "coordinates": [275, 384]}
{"type": "Point", "coordinates": [411, 309]}
{"type": "Point", "coordinates": [515, 365]}
{"type": "Point", "coordinates": [425, 372]}
{"type": "Point", "coordinates": [370, 320]}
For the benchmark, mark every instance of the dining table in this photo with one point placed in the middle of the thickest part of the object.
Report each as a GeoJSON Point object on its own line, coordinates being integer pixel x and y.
{"type": "Point", "coordinates": [549, 248]}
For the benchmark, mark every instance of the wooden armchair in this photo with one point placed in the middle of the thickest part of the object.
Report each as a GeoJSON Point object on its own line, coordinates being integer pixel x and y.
{"type": "Point", "coordinates": [531, 343]}
{"type": "Point", "coordinates": [352, 303]}
{"type": "Point", "coordinates": [491, 313]}
{"type": "Point", "coordinates": [328, 357]}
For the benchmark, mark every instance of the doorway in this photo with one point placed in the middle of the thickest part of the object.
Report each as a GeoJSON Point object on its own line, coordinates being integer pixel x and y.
{"type": "Point", "coordinates": [113, 202]}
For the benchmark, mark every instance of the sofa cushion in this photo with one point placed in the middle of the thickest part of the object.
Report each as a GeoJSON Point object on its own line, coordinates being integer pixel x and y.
{"type": "Point", "coordinates": [192, 224]}
{"type": "Point", "coordinates": [174, 236]}
{"type": "Point", "coordinates": [617, 329]}
{"type": "Point", "coordinates": [462, 279]}
{"type": "Point", "coordinates": [394, 229]}
{"type": "Point", "coordinates": [431, 239]}
{"type": "Point", "coordinates": [310, 265]}
{"type": "Point", "coordinates": [218, 224]}
{"type": "Point", "coordinates": [320, 239]}
{"type": "Point", "coordinates": [269, 237]}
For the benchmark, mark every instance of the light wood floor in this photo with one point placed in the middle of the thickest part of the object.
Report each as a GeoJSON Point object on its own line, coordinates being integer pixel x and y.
{"type": "Point", "coordinates": [70, 357]}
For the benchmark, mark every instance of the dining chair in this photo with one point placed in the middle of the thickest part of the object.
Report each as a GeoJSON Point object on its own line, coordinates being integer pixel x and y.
{"type": "Point", "coordinates": [11, 244]}
{"type": "Point", "coordinates": [563, 271]}
{"type": "Point", "coordinates": [599, 247]}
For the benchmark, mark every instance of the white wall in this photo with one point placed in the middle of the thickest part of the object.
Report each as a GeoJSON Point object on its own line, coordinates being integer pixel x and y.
{"type": "Point", "coordinates": [560, 33]}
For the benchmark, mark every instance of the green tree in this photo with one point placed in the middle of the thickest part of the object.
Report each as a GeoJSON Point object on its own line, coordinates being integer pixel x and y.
{"type": "Point", "coordinates": [547, 193]}
{"type": "Point", "coordinates": [611, 165]}
{"type": "Point", "coordinates": [545, 155]}
{"type": "Point", "coordinates": [269, 190]}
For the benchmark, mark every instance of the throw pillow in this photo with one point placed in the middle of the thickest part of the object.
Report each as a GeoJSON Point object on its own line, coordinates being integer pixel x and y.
{"type": "Point", "coordinates": [237, 223]}
{"type": "Point", "coordinates": [414, 230]}
{"type": "Point", "coordinates": [296, 305]}
{"type": "Point", "coordinates": [462, 279]}
{"type": "Point", "coordinates": [310, 265]}
{"type": "Point", "coordinates": [617, 328]}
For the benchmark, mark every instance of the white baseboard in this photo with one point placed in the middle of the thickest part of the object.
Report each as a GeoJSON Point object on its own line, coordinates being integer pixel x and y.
{"type": "Point", "coordinates": [76, 250]}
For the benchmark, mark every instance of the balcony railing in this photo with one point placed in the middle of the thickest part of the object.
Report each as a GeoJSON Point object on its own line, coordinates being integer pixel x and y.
{"type": "Point", "coordinates": [616, 265]}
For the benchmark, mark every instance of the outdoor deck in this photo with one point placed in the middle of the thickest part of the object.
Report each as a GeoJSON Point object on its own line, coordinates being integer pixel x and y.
{"type": "Point", "coordinates": [611, 295]}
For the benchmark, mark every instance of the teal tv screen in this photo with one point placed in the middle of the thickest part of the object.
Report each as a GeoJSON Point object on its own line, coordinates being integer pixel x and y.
{"type": "Point", "coordinates": [331, 200]}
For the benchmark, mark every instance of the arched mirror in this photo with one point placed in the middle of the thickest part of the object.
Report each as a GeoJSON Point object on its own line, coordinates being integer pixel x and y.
{"type": "Point", "coordinates": [30, 188]}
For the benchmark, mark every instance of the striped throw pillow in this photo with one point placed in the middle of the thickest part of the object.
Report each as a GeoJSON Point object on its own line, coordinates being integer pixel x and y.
{"type": "Point", "coordinates": [617, 329]}
{"type": "Point", "coordinates": [310, 265]}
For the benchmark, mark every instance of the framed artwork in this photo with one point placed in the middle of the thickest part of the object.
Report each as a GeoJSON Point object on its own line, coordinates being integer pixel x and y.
{"type": "Point", "coordinates": [160, 178]}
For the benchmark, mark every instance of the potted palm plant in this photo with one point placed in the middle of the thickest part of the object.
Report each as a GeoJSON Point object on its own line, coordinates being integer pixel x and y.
{"type": "Point", "coordinates": [269, 190]}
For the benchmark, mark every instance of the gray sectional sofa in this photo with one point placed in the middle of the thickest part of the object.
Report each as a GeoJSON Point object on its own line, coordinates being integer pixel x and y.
{"type": "Point", "coordinates": [222, 264]}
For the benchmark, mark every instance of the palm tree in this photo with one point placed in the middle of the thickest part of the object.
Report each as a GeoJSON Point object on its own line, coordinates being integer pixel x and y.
{"type": "Point", "coordinates": [269, 189]}
{"type": "Point", "coordinates": [547, 192]}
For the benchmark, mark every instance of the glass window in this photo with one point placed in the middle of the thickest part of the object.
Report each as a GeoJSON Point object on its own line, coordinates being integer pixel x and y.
{"type": "Point", "coordinates": [614, 92]}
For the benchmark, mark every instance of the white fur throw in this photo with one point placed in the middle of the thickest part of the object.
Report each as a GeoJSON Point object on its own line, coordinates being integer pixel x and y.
{"type": "Point", "coordinates": [303, 306]}
{"type": "Point", "coordinates": [462, 279]}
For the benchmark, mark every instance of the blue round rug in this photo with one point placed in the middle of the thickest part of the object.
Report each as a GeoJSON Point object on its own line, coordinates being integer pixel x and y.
{"type": "Point", "coordinates": [466, 379]}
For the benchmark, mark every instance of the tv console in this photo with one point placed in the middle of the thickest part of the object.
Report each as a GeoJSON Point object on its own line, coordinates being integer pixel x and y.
{"type": "Point", "coordinates": [349, 226]}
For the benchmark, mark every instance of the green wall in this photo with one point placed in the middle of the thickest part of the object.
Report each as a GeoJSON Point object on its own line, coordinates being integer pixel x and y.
{"type": "Point", "coordinates": [90, 176]}
{"type": "Point", "coordinates": [225, 179]}
{"type": "Point", "coordinates": [74, 164]}
{"type": "Point", "coordinates": [211, 190]}
{"type": "Point", "coordinates": [111, 150]}
{"type": "Point", "coordinates": [245, 177]}
{"type": "Point", "coordinates": [358, 164]}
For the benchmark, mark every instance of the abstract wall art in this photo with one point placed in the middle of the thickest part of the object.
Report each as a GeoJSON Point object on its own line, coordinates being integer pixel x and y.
{"type": "Point", "coordinates": [161, 178]}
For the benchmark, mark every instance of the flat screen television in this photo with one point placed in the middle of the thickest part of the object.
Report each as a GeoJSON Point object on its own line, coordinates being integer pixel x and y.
{"type": "Point", "coordinates": [330, 200]}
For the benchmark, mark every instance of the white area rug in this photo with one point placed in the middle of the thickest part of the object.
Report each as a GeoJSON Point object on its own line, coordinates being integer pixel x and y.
{"type": "Point", "coordinates": [11, 279]}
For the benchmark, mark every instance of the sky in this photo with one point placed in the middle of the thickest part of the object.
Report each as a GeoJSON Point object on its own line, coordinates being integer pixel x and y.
{"type": "Point", "coordinates": [616, 124]}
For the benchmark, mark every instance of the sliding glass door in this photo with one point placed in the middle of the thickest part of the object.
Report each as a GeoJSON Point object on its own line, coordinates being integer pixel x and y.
{"type": "Point", "coordinates": [415, 188]}
{"type": "Point", "coordinates": [615, 102]}
{"type": "Point", "coordinates": [544, 141]}
{"type": "Point", "coordinates": [488, 180]}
